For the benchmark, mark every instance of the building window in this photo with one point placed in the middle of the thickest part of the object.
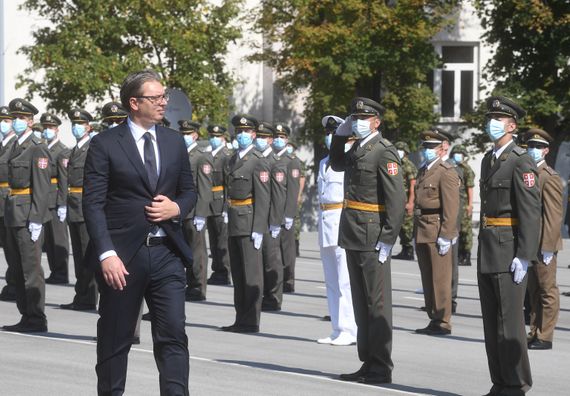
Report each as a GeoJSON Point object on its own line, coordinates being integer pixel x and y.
{"type": "Point", "coordinates": [455, 84]}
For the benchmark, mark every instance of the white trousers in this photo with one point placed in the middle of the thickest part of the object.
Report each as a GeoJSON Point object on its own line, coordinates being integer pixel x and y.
{"type": "Point", "coordinates": [339, 297]}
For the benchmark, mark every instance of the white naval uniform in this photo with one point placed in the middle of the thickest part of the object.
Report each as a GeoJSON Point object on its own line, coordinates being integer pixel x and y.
{"type": "Point", "coordinates": [339, 297]}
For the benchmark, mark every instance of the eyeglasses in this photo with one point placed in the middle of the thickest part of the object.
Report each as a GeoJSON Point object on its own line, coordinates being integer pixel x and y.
{"type": "Point", "coordinates": [156, 99]}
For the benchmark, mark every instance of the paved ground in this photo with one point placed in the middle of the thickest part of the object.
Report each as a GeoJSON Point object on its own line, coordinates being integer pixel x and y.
{"type": "Point", "coordinates": [284, 358]}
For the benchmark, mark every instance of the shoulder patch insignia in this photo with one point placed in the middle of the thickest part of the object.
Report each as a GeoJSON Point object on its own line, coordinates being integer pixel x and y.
{"type": "Point", "coordinates": [264, 176]}
{"type": "Point", "coordinates": [295, 173]}
{"type": "Point", "coordinates": [528, 179]}
{"type": "Point", "coordinates": [392, 168]}
{"type": "Point", "coordinates": [43, 163]}
{"type": "Point", "coordinates": [207, 169]}
{"type": "Point", "coordinates": [279, 176]}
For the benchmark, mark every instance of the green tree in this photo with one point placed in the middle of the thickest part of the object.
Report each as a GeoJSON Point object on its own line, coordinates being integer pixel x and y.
{"type": "Point", "coordinates": [91, 45]}
{"type": "Point", "coordinates": [341, 49]}
{"type": "Point", "coordinates": [531, 63]}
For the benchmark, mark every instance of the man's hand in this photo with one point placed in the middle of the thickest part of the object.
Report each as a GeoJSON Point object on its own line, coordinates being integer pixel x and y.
{"type": "Point", "coordinates": [62, 213]}
{"type": "Point", "coordinates": [443, 245]}
{"type": "Point", "coordinates": [345, 129]}
{"type": "Point", "coordinates": [410, 208]}
{"type": "Point", "coordinates": [225, 217]}
{"type": "Point", "coordinates": [161, 209]}
{"type": "Point", "coordinates": [469, 210]}
{"type": "Point", "coordinates": [199, 223]}
{"type": "Point", "coordinates": [114, 272]}
{"type": "Point", "coordinates": [383, 251]}
{"type": "Point", "coordinates": [547, 257]}
{"type": "Point", "coordinates": [257, 238]}
{"type": "Point", "coordinates": [519, 268]}
{"type": "Point", "coordinates": [274, 230]}
{"type": "Point", "coordinates": [288, 223]}
{"type": "Point", "coordinates": [35, 231]}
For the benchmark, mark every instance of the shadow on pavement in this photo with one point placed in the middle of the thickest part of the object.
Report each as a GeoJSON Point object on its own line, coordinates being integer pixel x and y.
{"type": "Point", "coordinates": [63, 336]}
{"type": "Point", "coordinates": [293, 314]}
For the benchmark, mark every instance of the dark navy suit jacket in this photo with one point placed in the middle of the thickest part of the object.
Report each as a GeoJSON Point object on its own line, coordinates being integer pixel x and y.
{"type": "Point", "coordinates": [116, 189]}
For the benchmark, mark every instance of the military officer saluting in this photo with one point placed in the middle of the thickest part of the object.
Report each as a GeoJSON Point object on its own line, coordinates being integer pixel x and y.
{"type": "Point", "coordinates": [85, 287]}
{"type": "Point", "coordinates": [436, 214]}
{"type": "Point", "coordinates": [112, 114]}
{"type": "Point", "coordinates": [508, 241]}
{"type": "Point", "coordinates": [25, 213]}
{"type": "Point", "coordinates": [218, 218]}
{"type": "Point", "coordinates": [195, 222]}
{"type": "Point", "coordinates": [369, 225]}
{"type": "Point", "coordinates": [247, 179]}
{"type": "Point", "coordinates": [56, 240]}
{"type": "Point", "coordinates": [543, 291]}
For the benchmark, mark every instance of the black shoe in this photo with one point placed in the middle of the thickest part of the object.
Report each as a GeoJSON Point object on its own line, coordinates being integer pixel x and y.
{"type": "Point", "coordinates": [136, 340]}
{"type": "Point", "coordinates": [228, 328]}
{"type": "Point", "coordinates": [297, 252]}
{"type": "Point", "coordinates": [194, 295]}
{"type": "Point", "coordinates": [374, 378]}
{"type": "Point", "coordinates": [454, 308]}
{"type": "Point", "coordinates": [567, 294]}
{"type": "Point", "coordinates": [218, 280]}
{"type": "Point", "coordinates": [361, 372]}
{"type": "Point", "coordinates": [327, 318]}
{"type": "Point", "coordinates": [433, 330]}
{"type": "Point", "coordinates": [540, 345]}
{"type": "Point", "coordinates": [51, 280]}
{"type": "Point", "coordinates": [246, 329]}
{"type": "Point", "coordinates": [146, 316]}
{"type": "Point", "coordinates": [407, 253]}
{"type": "Point", "coordinates": [287, 288]}
{"type": "Point", "coordinates": [465, 260]}
{"type": "Point", "coordinates": [26, 327]}
{"type": "Point", "coordinates": [78, 307]}
{"type": "Point", "coordinates": [270, 307]}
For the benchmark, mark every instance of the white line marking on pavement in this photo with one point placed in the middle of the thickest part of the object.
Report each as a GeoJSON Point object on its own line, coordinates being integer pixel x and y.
{"type": "Point", "coordinates": [201, 359]}
{"type": "Point", "coordinates": [415, 298]}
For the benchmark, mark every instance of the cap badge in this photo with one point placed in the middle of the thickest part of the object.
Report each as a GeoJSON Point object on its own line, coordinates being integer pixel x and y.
{"type": "Point", "coordinates": [261, 127]}
{"type": "Point", "coordinates": [185, 124]}
{"type": "Point", "coordinates": [114, 109]}
{"type": "Point", "coordinates": [279, 127]}
{"type": "Point", "coordinates": [496, 103]}
{"type": "Point", "coordinates": [215, 129]}
{"type": "Point", "coordinates": [4, 111]}
{"type": "Point", "coordinates": [243, 121]}
{"type": "Point", "coordinates": [19, 105]}
{"type": "Point", "coordinates": [330, 121]}
{"type": "Point", "coordinates": [48, 118]}
{"type": "Point", "coordinates": [360, 105]}
{"type": "Point", "coordinates": [76, 114]}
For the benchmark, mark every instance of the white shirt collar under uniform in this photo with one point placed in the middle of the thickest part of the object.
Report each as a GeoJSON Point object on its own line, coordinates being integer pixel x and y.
{"type": "Point", "coordinates": [246, 150]}
{"type": "Point", "coordinates": [368, 138]}
{"type": "Point", "coordinates": [498, 152]}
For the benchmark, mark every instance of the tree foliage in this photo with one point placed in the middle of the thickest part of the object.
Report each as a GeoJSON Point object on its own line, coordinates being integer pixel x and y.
{"type": "Point", "coordinates": [91, 45]}
{"type": "Point", "coordinates": [341, 49]}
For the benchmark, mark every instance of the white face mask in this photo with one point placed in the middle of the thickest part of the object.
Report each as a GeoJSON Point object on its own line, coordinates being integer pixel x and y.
{"type": "Point", "coordinates": [401, 153]}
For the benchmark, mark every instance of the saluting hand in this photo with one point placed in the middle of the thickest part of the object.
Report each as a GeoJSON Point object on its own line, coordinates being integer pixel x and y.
{"type": "Point", "coordinates": [161, 209]}
{"type": "Point", "coordinates": [114, 272]}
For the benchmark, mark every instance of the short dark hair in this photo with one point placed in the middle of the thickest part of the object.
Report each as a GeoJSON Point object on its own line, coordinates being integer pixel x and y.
{"type": "Point", "coordinates": [132, 84]}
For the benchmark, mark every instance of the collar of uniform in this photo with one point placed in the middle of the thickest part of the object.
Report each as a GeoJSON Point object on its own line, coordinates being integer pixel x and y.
{"type": "Point", "coordinates": [24, 137]}
{"type": "Point", "coordinates": [7, 140]}
{"type": "Point", "coordinates": [368, 138]}
{"type": "Point", "coordinates": [53, 142]}
{"type": "Point", "coordinates": [431, 164]}
{"type": "Point", "coordinates": [539, 163]}
{"type": "Point", "coordinates": [82, 142]}
{"type": "Point", "coordinates": [267, 151]}
{"type": "Point", "coordinates": [445, 157]}
{"type": "Point", "coordinates": [282, 152]}
{"type": "Point", "coordinates": [246, 150]}
{"type": "Point", "coordinates": [138, 131]}
{"type": "Point", "coordinates": [216, 151]}
{"type": "Point", "coordinates": [497, 153]}
{"type": "Point", "coordinates": [191, 147]}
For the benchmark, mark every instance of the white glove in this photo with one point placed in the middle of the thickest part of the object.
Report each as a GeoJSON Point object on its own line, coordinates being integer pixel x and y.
{"type": "Point", "coordinates": [454, 240]}
{"type": "Point", "coordinates": [62, 213]}
{"type": "Point", "coordinates": [257, 238]}
{"type": "Point", "coordinates": [518, 268]}
{"type": "Point", "coordinates": [547, 257]}
{"type": "Point", "coordinates": [274, 230]}
{"type": "Point", "coordinates": [288, 223]}
{"type": "Point", "coordinates": [199, 223]}
{"type": "Point", "coordinates": [384, 251]}
{"type": "Point", "coordinates": [345, 129]}
{"type": "Point", "coordinates": [443, 245]}
{"type": "Point", "coordinates": [225, 216]}
{"type": "Point", "coordinates": [35, 230]}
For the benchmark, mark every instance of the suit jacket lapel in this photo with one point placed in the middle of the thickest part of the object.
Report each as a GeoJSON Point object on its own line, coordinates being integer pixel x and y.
{"type": "Point", "coordinates": [127, 143]}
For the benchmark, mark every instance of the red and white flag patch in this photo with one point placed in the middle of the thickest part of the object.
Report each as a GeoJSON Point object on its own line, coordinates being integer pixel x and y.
{"type": "Point", "coordinates": [43, 163]}
{"type": "Point", "coordinates": [280, 176]}
{"type": "Point", "coordinates": [295, 173]}
{"type": "Point", "coordinates": [264, 176]}
{"type": "Point", "coordinates": [392, 168]}
{"type": "Point", "coordinates": [528, 179]}
{"type": "Point", "coordinates": [206, 168]}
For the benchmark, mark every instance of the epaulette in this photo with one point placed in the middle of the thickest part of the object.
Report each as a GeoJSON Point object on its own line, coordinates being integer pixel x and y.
{"type": "Point", "coordinates": [204, 150]}
{"type": "Point", "coordinates": [257, 153]}
{"type": "Point", "coordinates": [36, 140]}
{"type": "Point", "coordinates": [519, 151]}
{"type": "Point", "coordinates": [446, 164]}
{"type": "Point", "coordinates": [385, 142]}
{"type": "Point", "coordinates": [551, 171]}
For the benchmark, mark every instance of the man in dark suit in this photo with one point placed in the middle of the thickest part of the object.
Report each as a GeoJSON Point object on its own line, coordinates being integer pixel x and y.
{"type": "Point", "coordinates": [137, 188]}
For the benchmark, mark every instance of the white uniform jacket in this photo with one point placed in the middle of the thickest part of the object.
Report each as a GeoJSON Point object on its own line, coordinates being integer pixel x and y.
{"type": "Point", "coordinates": [331, 191]}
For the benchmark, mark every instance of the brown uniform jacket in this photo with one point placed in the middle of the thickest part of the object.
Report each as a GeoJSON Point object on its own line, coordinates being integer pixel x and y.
{"type": "Point", "coordinates": [552, 193]}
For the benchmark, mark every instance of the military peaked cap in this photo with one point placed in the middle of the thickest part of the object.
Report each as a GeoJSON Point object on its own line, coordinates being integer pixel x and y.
{"type": "Point", "coordinates": [79, 115]}
{"type": "Point", "coordinates": [538, 135]}
{"type": "Point", "coordinates": [244, 121]}
{"type": "Point", "coordinates": [5, 113]}
{"type": "Point", "coordinates": [22, 107]}
{"type": "Point", "coordinates": [189, 126]}
{"type": "Point", "coordinates": [50, 119]}
{"type": "Point", "coordinates": [216, 130]}
{"type": "Point", "coordinates": [113, 110]}
{"type": "Point", "coordinates": [282, 129]}
{"type": "Point", "coordinates": [331, 122]}
{"type": "Point", "coordinates": [365, 106]}
{"type": "Point", "coordinates": [504, 106]}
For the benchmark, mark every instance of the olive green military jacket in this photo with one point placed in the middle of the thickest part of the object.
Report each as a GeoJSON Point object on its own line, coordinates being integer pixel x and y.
{"type": "Point", "coordinates": [552, 192]}
{"type": "Point", "coordinates": [410, 172]}
{"type": "Point", "coordinates": [437, 203]}
{"type": "Point", "coordinates": [5, 152]}
{"type": "Point", "coordinates": [509, 190]}
{"type": "Point", "coordinates": [28, 167]}
{"type": "Point", "coordinates": [75, 167]}
{"type": "Point", "coordinates": [58, 155]}
{"type": "Point", "coordinates": [293, 185]}
{"type": "Point", "coordinates": [248, 178]}
{"type": "Point", "coordinates": [372, 176]}
{"type": "Point", "coordinates": [220, 160]}
{"type": "Point", "coordinates": [202, 169]}
{"type": "Point", "coordinates": [279, 179]}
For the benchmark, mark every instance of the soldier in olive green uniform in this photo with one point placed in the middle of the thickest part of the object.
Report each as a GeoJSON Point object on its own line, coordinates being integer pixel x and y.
{"type": "Point", "coordinates": [508, 241]}
{"type": "Point", "coordinates": [85, 286]}
{"type": "Point", "coordinates": [56, 240]}
{"type": "Point", "coordinates": [287, 235]}
{"type": "Point", "coordinates": [271, 248]}
{"type": "Point", "coordinates": [194, 226]}
{"type": "Point", "coordinates": [410, 173]}
{"type": "Point", "coordinates": [543, 292]}
{"type": "Point", "coordinates": [247, 179]}
{"type": "Point", "coordinates": [218, 218]}
{"type": "Point", "coordinates": [113, 114]}
{"type": "Point", "coordinates": [459, 156]}
{"type": "Point", "coordinates": [26, 211]}
{"type": "Point", "coordinates": [291, 148]}
{"type": "Point", "coordinates": [436, 214]}
{"type": "Point", "coordinates": [8, 140]}
{"type": "Point", "coordinates": [369, 225]}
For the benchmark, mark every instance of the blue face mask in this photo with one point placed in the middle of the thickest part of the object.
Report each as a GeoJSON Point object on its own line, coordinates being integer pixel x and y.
{"type": "Point", "coordinates": [361, 128]}
{"type": "Point", "coordinates": [429, 154]}
{"type": "Point", "coordinates": [19, 126]}
{"type": "Point", "coordinates": [261, 144]}
{"type": "Point", "coordinates": [458, 158]}
{"type": "Point", "coordinates": [328, 140]}
{"type": "Point", "coordinates": [188, 139]}
{"type": "Point", "coordinates": [93, 134]}
{"type": "Point", "coordinates": [48, 134]}
{"type": "Point", "coordinates": [495, 129]}
{"type": "Point", "coordinates": [5, 127]}
{"type": "Point", "coordinates": [535, 153]}
{"type": "Point", "coordinates": [290, 149]}
{"type": "Point", "coordinates": [78, 131]}
{"type": "Point", "coordinates": [215, 142]}
{"type": "Point", "coordinates": [279, 143]}
{"type": "Point", "coordinates": [244, 140]}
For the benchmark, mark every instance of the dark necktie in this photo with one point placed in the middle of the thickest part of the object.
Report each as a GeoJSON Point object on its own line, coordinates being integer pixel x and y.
{"type": "Point", "coordinates": [150, 161]}
{"type": "Point", "coordinates": [493, 158]}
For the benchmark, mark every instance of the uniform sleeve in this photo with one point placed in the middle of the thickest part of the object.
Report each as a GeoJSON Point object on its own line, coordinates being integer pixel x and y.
{"type": "Point", "coordinates": [293, 186]}
{"type": "Point", "coordinates": [552, 213]}
{"type": "Point", "coordinates": [261, 196]}
{"type": "Point", "coordinates": [469, 176]}
{"type": "Point", "coordinates": [337, 155]}
{"type": "Point", "coordinates": [62, 184]}
{"type": "Point", "coordinates": [449, 200]}
{"type": "Point", "coordinates": [527, 197]}
{"type": "Point", "coordinates": [41, 185]}
{"type": "Point", "coordinates": [413, 171]}
{"type": "Point", "coordinates": [204, 182]}
{"type": "Point", "coordinates": [278, 195]}
{"type": "Point", "coordinates": [394, 195]}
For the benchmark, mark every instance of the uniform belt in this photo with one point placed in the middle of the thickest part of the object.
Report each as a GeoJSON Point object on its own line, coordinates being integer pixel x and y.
{"type": "Point", "coordinates": [428, 211]}
{"type": "Point", "coordinates": [154, 241]}
{"type": "Point", "coordinates": [53, 180]}
{"type": "Point", "coordinates": [331, 206]}
{"type": "Point", "coordinates": [240, 202]}
{"type": "Point", "coordinates": [4, 184]}
{"type": "Point", "coordinates": [499, 221]}
{"type": "Point", "coordinates": [78, 190]}
{"type": "Point", "coordinates": [217, 188]}
{"type": "Point", "coordinates": [366, 207]}
{"type": "Point", "coordinates": [20, 191]}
